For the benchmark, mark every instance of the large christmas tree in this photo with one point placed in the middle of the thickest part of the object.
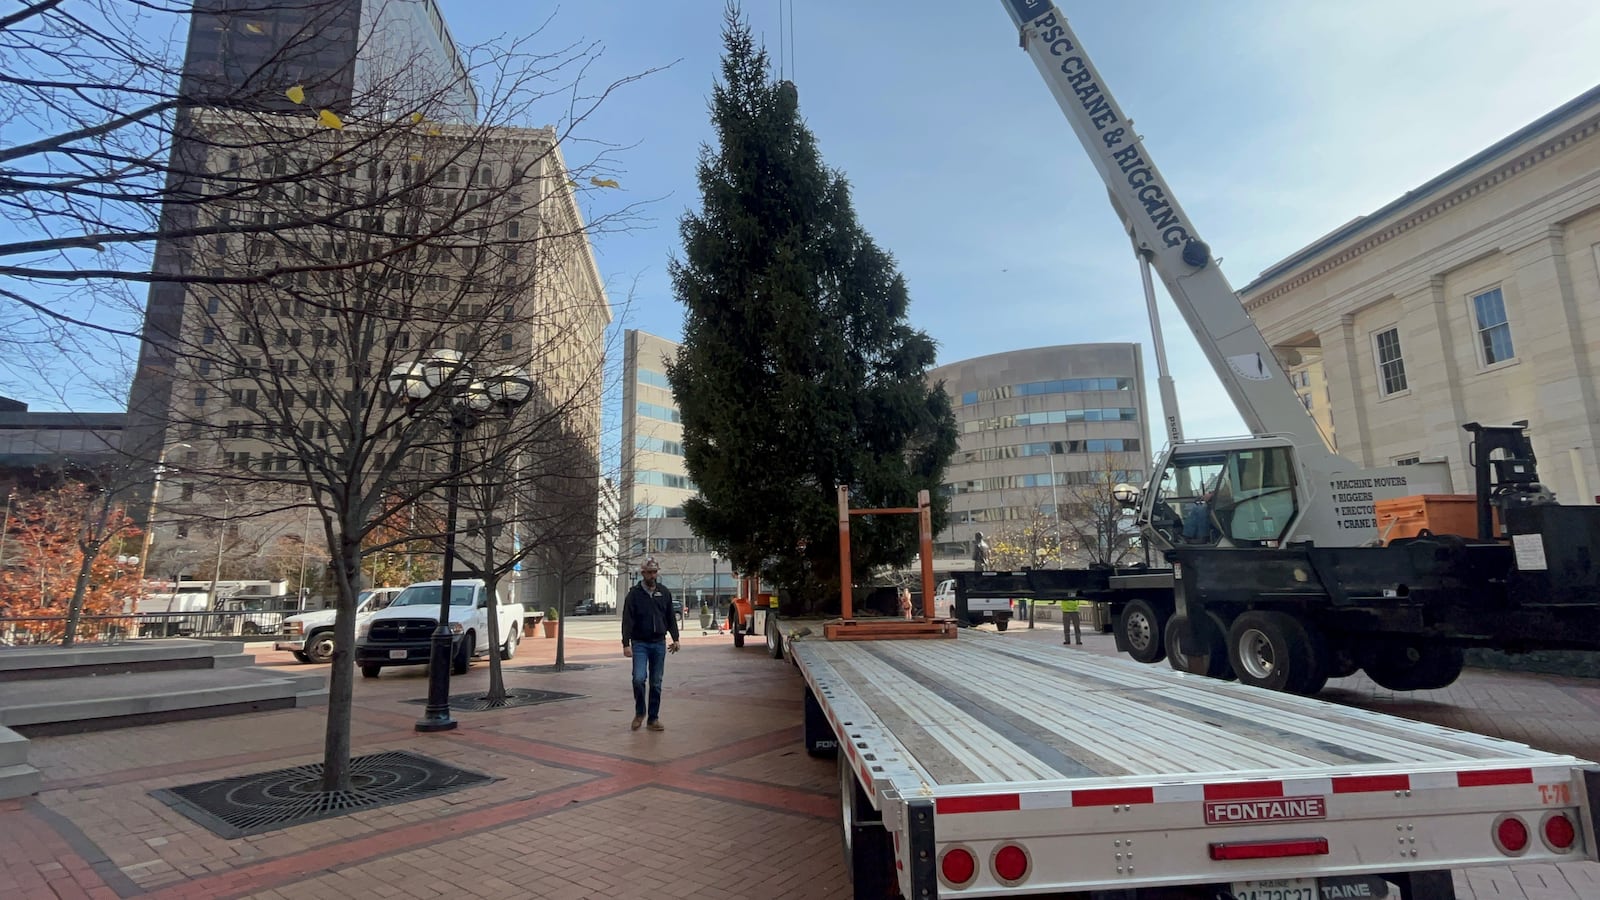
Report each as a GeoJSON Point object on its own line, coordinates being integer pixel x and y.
{"type": "Point", "coordinates": [798, 370]}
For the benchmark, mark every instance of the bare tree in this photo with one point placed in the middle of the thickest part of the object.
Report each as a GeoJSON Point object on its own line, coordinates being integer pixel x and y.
{"type": "Point", "coordinates": [1095, 528]}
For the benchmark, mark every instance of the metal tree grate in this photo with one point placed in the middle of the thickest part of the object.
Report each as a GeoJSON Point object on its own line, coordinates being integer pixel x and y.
{"type": "Point", "coordinates": [514, 697]}
{"type": "Point", "coordinates": [549, 669]}
{"type": "Point", "coordinates": [251, 804]}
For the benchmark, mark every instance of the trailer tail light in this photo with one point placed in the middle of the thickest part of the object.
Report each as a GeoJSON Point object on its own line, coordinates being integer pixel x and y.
{"type": "Point", "coordinates": [1010, 864]}
{"type": "Point", "coordinates": [1270, 849]}
{"type": "Point", "coordinates": [958, 867]}
{"type": "Point", "coordinates": [1511, 835]}
{"type": "Point", "coordinates": [1559, 833]}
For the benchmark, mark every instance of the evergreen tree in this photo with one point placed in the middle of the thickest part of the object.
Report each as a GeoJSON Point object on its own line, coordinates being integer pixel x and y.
{"type": "Point", "coordinates": [798, 370]}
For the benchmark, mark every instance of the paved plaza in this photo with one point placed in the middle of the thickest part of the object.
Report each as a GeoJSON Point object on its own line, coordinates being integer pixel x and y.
{"type": "Point", "coordinates": [723, 804]}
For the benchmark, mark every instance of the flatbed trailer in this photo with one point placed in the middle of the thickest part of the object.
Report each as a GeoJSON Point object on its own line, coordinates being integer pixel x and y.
{"type": "Point", "coordinates": [991, 766]}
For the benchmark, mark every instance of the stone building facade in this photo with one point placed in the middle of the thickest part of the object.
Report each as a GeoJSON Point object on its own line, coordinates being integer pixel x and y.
{"type": "Point", "coordinates": [1475, 297]}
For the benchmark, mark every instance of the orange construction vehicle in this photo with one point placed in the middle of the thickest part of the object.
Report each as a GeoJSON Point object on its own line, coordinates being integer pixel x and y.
{"type": "Point", "coordinates": [752, 612]}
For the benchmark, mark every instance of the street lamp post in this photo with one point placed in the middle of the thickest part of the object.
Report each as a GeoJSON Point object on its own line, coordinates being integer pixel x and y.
{"type": "Point", "coordinates": [305, 545]}
{"type": "Point", "coordinates": [150, 519]}
{"type": "Point", "coordinates": [445, 374]}
{"type": "Point", "coordinates": [713, 590]}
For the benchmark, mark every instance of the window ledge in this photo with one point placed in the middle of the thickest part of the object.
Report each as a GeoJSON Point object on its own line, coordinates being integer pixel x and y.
{"type": "Point", "coordinates": [1502, 364]}
{"type": "Point", "coordinates": [1395, 396]}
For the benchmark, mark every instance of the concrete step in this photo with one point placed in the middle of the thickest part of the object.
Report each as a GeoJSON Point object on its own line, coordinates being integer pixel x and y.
{"type": "Point", "coordinates": [13, 748]}
{"type": "Point", "coordinates": [92, 703]}
{"type": "Point", "coordinates": [18, 781]}
{"type": "Point", "coordinates": [39, 663]}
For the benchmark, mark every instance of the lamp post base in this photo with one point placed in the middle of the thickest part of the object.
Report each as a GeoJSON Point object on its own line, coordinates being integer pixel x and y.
{"type": "Point", "coordinates": [426, 725]}
{"type": "Point", "coordinates": [436, 716]}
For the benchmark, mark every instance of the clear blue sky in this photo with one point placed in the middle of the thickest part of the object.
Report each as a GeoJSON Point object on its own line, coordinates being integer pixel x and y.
{"type": "Point", "coordinates": [1273, 121]}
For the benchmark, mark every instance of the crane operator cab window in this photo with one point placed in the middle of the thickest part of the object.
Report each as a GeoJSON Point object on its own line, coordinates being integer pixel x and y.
{"type": "Point", "coordinates": [1232, 498]}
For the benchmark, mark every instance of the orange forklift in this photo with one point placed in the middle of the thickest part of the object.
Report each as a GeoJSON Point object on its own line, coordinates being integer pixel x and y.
{"type": "Point", "coordinates": [752, 612]}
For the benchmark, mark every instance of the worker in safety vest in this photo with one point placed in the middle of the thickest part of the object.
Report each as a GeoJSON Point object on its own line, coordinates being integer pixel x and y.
{"type": "Point", "coordinates": [1071, 625]}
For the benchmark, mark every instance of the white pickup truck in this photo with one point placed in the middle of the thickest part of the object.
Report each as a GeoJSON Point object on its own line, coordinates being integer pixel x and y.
{"type": "Point", "coordinates": [401, 633]}
{"type": "Point", "coordinates": [974, 611]}
{"type": "Point", "coordinates": [310, 635]}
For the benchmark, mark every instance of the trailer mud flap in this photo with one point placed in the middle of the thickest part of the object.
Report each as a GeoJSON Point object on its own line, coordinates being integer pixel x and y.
{"type": "Point", "coordinates": [820, 740]}
{"type": "Point", "coordinates": [923, 856]}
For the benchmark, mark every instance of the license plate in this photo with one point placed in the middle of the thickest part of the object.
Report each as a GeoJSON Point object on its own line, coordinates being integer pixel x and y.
{"type": "Point", "coordinates": [1276, 889]}
{"type": "Point", "coordinates": [397, 654]}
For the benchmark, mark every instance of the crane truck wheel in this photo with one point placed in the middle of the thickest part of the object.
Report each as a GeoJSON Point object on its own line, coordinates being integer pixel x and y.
{"type": "Point", "coordinates": [868, 854]}
{"type": "Point", "coordinates": [774, 638]}
{"type": "Point", "coordinates": [1277, 651]}
{"type": "Point", "coordinates": [1415, 667]}
{"type": "Point", "coordinates": [737, 628]}
{"type": "Point", "coordinates": [1143, 629]}
{"type": "Point", "coordinates": [1210, 660]}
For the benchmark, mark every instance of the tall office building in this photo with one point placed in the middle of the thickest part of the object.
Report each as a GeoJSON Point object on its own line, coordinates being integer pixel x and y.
{"type": "Point", "coordinates": [1038, 430]}
{"type": "Point", "coordinates": [247, 54]}
{"type": "Point", "coordinates": [655, 481]}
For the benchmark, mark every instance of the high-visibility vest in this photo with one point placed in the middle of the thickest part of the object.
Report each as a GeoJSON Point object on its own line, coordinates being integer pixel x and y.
{"type": "Point", "coordinates": [1069, 606]}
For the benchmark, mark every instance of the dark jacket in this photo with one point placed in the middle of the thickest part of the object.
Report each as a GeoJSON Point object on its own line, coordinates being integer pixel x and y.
{"type": "Point", "coordinates": [647, 615]}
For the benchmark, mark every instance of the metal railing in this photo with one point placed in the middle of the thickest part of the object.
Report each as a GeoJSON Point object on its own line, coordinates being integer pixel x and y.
{"type": "Point", "coordinates": [18, 631]}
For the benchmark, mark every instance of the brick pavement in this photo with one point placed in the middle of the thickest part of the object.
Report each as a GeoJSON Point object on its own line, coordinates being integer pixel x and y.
{"type": "Point", "coordinates": [724, 804]}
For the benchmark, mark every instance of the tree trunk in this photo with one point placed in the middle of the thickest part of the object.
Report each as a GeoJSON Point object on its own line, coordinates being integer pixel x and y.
{"type": "Point", "coordinates": [561, 618]}
{"type": "Point", "coordinates": [79, 589]}
{"type": "Point", "coordinates": [341, 676]}
{"type": "Point", "coordinates": [497, 680]}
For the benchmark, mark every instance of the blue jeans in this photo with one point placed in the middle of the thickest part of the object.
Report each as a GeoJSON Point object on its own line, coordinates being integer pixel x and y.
{"type": "Point", "coordinates": [649, 657]}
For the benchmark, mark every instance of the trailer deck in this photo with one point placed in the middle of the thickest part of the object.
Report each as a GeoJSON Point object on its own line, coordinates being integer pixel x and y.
{"type": "Point", "coordinates": [995, 743]}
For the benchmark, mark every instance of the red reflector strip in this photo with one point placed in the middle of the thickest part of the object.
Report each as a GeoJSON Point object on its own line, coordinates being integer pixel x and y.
{"type": "Point", "coordinates": [1270, 849]}
{"type": "Point", "coordinates": [945, 806]}
{"type": "Point", "coordinates": [1113, 796]}
{"type": "Point", "coordinates": [1361, 784]}
{"type": "Point", "coordinates": [1254, 790]}
{"type": "Point", "coordinates": [1497, 776]}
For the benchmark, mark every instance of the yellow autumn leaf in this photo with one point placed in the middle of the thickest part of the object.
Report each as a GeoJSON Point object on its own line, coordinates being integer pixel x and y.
{"type": "Point", "coordinates": [571, 183]}
{"type": "Point", "coordinates": [416, 118]}
{"type": "Point", "coordinates": [604, 182]}
{"type": "Point", "coordinates": [296, 94]}
{"type": "Point", "coordinates": [433, 131]}
{"type": "Point", "coordinates": [254, 28]}
{"type": "Point", "coordinates": [416, 157]}
{"type": "Point", "coordinates": [330, 119]}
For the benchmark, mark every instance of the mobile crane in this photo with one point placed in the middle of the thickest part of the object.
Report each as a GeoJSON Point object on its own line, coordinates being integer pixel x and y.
{"type": "Point", "coordinates": [1102, 780]}
{"type": "Point", "coordinates": [1277, 571]}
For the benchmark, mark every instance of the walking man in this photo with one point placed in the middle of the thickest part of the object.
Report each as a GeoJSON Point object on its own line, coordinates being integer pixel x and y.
{"type": "Point", "coordinates": [1071, 624]}
{"type": "Point", "coordinates": [646, 620]}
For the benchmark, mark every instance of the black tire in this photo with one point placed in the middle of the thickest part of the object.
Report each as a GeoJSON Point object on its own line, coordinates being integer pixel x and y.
{"type": "Point", "coordinates": [508, 650]}
{"type": "Point", "coordinates": [1415, 667]}
{"type": "Point", "coordinates": [1277, 651]}
{"type": "Point", "coordinates": [1000, 622]}
{"type": "Point", "coordinates": [301, 656]}
{"type": "Point", "coordinates": [463, 659]}
{"type": "Point", "coordinates": [319, 647]}
{"type": "Point", "coordinates": [1143, 628]}
{"type": "Point", "coordinates": [371, 671]}
{"type": "Point", "coordinates": [774, 637]}
{"type": "Point", "coordinates": [868, 853]}
{"type": "Point", "coordinates": [249, 628]}
{"type": "Point", "coordinates": [1210, 661]}
{"type": "Point", "coordinates": [738, 635]}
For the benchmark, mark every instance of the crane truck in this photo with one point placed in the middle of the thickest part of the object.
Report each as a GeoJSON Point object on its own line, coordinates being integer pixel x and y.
{"type": "Point", "coordinates": [1277, 573]}
{"type": "Point", "coordinates": [1100, 779]}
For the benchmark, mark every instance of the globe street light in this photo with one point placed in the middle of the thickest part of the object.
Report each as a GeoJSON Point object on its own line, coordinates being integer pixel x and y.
{"type": "Point", "coordinates": [445, 374]}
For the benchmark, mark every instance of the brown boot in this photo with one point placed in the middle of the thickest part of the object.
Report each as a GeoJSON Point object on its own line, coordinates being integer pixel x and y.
{"type": "Point", "coordinates": [637, 721]}
{"type": "Point", "coordinates": [655, 725]}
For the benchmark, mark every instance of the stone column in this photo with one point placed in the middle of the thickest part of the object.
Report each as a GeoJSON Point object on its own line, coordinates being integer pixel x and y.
{"type": "Point", "coordinates": [1433, 376]}
{"type": "Point", "coordinates": [1547, 334]}
{"type": "Point", "coordinates": [1343, 372]}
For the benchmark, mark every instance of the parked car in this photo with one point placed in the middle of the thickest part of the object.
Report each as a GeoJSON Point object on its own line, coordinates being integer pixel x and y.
{"type": "Point", "coordinates": [310, 635]}
{"type": "Point", "coordinates": [592, 607]}
{"type": "Point", "coordinates": [401, 634]}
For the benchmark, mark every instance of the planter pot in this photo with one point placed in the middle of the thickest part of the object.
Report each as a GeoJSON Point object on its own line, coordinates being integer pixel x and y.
{"type": "Point", "coordinates": [549, 628]}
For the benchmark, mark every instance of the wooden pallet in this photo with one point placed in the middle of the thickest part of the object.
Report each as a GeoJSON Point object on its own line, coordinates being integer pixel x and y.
{"type": "Point", "coordinates": [888, 629]}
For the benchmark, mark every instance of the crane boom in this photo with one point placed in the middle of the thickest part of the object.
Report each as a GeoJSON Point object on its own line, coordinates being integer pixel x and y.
{"type": "Point", "coordinates": [1232, 344]}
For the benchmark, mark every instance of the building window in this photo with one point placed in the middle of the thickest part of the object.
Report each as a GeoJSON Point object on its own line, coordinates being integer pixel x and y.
{"type": "Point", "coordinates": [213, 305]}
{"type": "Point", "coordinates": [1391, 365]}
{"type": "Point", "coordinates": [208, 335]}
{"type": "Point", "coordinates": [1411, 460]}
{"type": "Point", "coordinates": [1494, 331]}
{"type": "Point", "coordinates": [199, 396]}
